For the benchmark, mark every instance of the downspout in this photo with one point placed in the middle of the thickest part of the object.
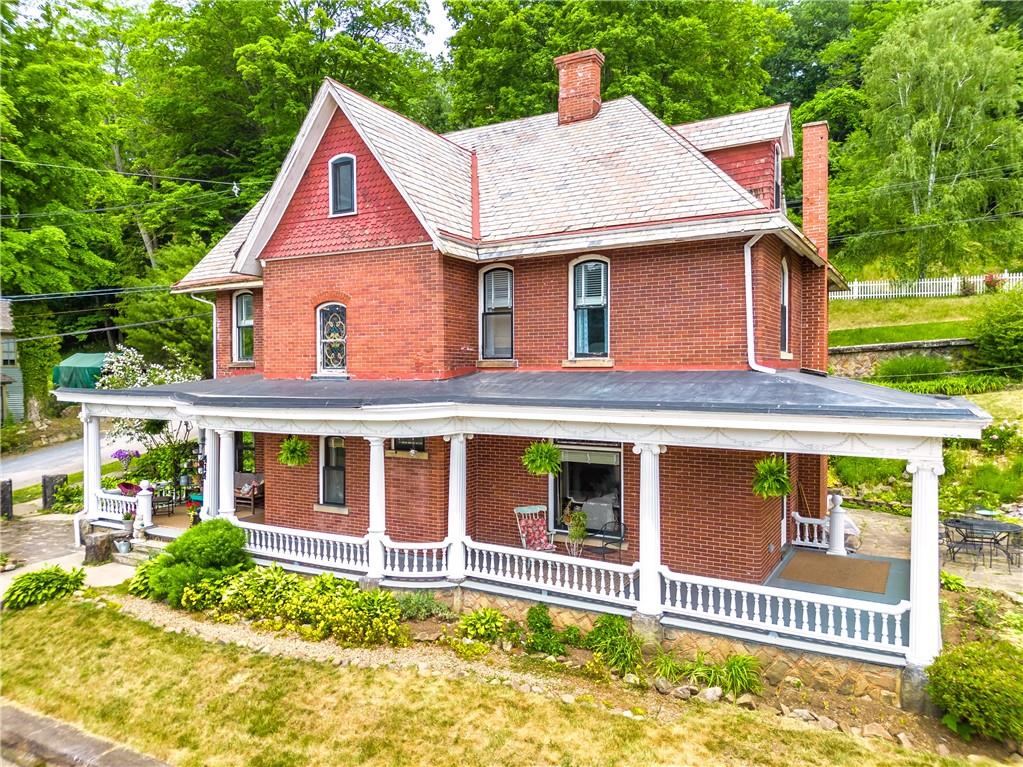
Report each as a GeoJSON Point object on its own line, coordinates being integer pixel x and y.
{"type": "Point", "coordinates": [751, 352]}
{"type": "Point", "coordinates": [214, 305]}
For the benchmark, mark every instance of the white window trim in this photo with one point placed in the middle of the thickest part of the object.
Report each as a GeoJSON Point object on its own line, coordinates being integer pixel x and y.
{"type": "Point", "coordinates": [482, 304]}
{"type": "Point", "coordinates": [234, 326]}
{"type": "Point", "coordinates": [571, 305]}
{"type": "Point", "coordinates": [786, 301]}
{"type": "Point", "coordinates": [554, 510]}
{"type": "Point", "coordinates": [778, 185]}
{"type": "Point", "coordinates": [339, 373]}
{"type": "Point", "coordinates": [323, 455]}
{"type": "Point", "coordinates": [330, 186]}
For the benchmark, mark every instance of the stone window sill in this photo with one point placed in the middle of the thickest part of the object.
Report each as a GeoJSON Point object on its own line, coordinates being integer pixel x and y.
{"type": "Point", "coordinates": [242, 365]}
{"type": "Point", "coordinates": [589, 362]}
{"type": "Point", "coordinates": [593, 540]}
{"type": "Point", "coordinates": [329, 377]}
{"type": "Point", "coordinates": [497, 363]}
{"type": "Point", "coordinates": [327, 508]}
{"type": "Point", "coordinates": [785, 355]}
{"type": "Point", "coordinates": [418, 455]}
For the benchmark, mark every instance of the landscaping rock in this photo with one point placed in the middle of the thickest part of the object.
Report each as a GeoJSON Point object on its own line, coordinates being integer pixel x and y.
{"type": "Point", "coordinates": [631, 679]}
{"type": "Point", "coordinates": [711, 695]}
{"type": "Point", "coordinates": [567, 699]}
{"type": "Point", "coordinates": [803, 714]}
{"type": "Point", "coordinates": [848, 687]}
{"type": "Point", "coordinates": [427, 636]}
{"type": "Point", "coordinates": [682, 693]}
{"type": "Point", "coordinates": [50, 483]}
{"type": "Point", "coordinates": [875, 730]}
{"type": "Point", "coordinates": [844, 727]}
{"type": "Point", "coordinates": [793, 681]}
{"type": "Point", "coordinates": [7, 499]}
{"type": "Point", "coordinates": [662, 685]}
{"type": "Point", "coordinates": [943, 750]}
{"type": "Point", "coordinates": [826, 723]}
{"type": "Point", "coordinates": [747, 702]}
{"type": "Point", "coordinates": [785, 710]}
{"type": "Point", "coordinates": [904, 740]}
{"type": "Point", "coordinates": [98, 548]}
{"type": "Point", "coordinates": [506, 645]}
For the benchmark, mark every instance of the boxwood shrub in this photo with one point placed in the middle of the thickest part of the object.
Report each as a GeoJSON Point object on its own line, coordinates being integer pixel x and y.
{"type": "Point", "coordinates": [212, 551]}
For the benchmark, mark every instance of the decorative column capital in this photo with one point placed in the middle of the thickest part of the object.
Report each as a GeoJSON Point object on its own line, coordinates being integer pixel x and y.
{"type": "Point", "coordinates": [462, 436]}
{"type": "Point", "coordinates": [224, 432]}
{"type": "Point", "coordinates": [649, 447]}
{"type": "Point", "coordinates": [85, 416]}
{"type": "Point", "coordinates": [935, 467]}
{"type": "Point", "coordinates": [375, 441]}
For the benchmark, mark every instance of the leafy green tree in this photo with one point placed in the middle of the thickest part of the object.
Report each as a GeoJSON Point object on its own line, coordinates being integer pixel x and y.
{"type": "Point", "coordinates": [799, 68]}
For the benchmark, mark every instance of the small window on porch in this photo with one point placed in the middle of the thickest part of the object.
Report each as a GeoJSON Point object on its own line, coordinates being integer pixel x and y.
{"type": "Point", "coordinates": [591, 480]}
{"type": "Point", "coordinates": [332, 467]}
{"type": "Point", "coordinates": [412, 445]}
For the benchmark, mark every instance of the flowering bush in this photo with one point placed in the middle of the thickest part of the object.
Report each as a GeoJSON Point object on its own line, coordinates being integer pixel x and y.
{"type": "Point", "coordinates": [125, 457]}
{"type": "Point", "coordinates": [1000, 438]}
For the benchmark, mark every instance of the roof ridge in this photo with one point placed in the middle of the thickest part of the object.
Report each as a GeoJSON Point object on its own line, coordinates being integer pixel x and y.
{"type": "Point", "coordinates": [448, 134]}
{"type": "Point", "coordinates": [734, 114]}
{"type": "Point", "coordinates": [689, 146]}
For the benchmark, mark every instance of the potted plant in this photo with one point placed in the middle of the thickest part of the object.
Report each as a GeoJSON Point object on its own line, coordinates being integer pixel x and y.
{"type": "Point", "coordinates": [542, 458]}
{"type": "Point", "coordinates": [771, 477]}
{"type": "Point", "coordinates": [128, 518]}
{"type": "Point", "coordinates": [575, 520]}
{"type": "Point", "coordinates": [192, 507]}
{"type": "Point", "coordinates": [294, 452]}
{"type": "Point", "coordinates": [125, 457]}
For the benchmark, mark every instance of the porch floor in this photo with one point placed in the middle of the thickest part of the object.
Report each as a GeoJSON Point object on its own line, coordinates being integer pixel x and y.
{"type": "Point", "coordinates": [896, 589]}
{"type": "Point", "coordinates": [173, 525]}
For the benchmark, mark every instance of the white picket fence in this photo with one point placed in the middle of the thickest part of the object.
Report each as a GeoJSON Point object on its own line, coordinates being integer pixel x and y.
{"type": "Point", "coordinates": [930, 287]}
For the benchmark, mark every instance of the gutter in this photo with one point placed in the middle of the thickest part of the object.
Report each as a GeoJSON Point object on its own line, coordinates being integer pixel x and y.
{"type": "Point", "coordinates": [214, 306]}
{"type": "Point", "coordinates": [751, 352]}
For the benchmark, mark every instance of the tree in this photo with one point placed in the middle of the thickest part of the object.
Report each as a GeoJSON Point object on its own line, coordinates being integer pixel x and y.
{"type": "Point", "coordinates": [683, 60]}
{"type": "Point", "coordinates": [800, 67]}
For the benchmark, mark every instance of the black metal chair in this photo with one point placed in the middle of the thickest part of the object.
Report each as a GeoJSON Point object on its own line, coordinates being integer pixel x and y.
{"type": "Point", "coordinates": [958, 540]}
{"type": "Point", "coordinates": [610, 541]}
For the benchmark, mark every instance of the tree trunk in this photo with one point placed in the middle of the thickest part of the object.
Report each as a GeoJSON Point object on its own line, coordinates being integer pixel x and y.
{"type": "Point", "coordinates": [147, 238]}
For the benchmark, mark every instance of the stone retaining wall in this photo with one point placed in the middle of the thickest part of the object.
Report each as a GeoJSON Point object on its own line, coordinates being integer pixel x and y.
{"type": "Point", "coordinates": [860, 361]}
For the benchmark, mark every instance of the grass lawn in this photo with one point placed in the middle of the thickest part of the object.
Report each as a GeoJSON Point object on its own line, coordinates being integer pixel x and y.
{"type": "Point", "coordinates": [30, 493]}
{"type": "Point", "coordinates": [886, 334]}
{"type": "Point", "coordinates": [843, 315]}
{"type": "Point", "coordinates": [1002, 405]}
{"type": "Point", "coordinates": [192, 702]}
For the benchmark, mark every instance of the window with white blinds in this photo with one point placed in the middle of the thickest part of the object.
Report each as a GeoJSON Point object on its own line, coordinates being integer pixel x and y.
{"type": "Point", "coordinates": [342, 185]}
{"type": "Point", "coordinates": [591, 320]}
{"type": "Point", "coordinates": [497, 318]}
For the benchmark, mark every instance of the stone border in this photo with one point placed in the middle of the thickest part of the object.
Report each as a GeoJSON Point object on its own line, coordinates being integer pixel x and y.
{"type": "Point", "coordinates": [896, 346]}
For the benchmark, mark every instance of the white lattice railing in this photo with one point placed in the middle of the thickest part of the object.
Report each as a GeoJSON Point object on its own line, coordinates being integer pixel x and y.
{"type": "Point", "coordinates": [796, 614]}
{"type": "Point", "coordinates": [589, 579]}
{"type": "Point", "coordinates": [810, 531]}
{"type": "Point", "coordinates": [415, 561]}
{"type": "Point", "coordinates": [336, 552]}
{"type": "Point", "coordinates": [114, 505]}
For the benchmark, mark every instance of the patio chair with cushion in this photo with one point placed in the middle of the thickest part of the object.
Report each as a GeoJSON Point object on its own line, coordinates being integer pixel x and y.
{"type": "Point", "coordinates": [248, 490]}
{"type": "Point", "coordinates": [532, 524]}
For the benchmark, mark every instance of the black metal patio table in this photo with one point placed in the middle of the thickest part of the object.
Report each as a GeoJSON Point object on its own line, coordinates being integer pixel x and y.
{"type": "Point", "coordinates": [987, 532]}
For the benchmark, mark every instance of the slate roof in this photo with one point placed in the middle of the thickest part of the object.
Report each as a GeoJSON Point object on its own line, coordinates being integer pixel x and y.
{"type": "Point", "coordinates": [758, 125]}
{"type": "Point", "coordinates": [707, 391]}
{"type": "Point", "coordinates": [216, 265]}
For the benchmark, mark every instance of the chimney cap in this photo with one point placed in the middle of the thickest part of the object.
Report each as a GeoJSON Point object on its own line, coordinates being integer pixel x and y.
{"type": "Point", "coordinates": [571, 58]}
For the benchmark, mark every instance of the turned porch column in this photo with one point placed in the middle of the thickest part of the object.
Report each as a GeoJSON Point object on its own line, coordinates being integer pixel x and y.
{"type": "Point", "coordinates": [225, 496]}
{"type": "Point", "coordinates": [924, 564]}
{"type": "Point", "coordinates": [377, 504]}
{"type": "Point", "coordinates": [649, 527]}
{"type": "Point", "coordinates": [91, 461]}
{"type": "Point", "coordinates": [456, 506]}
{"type": "Point", "coordinates": [211, 478]}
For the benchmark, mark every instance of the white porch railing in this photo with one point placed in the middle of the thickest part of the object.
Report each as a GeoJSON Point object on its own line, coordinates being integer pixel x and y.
{"type": "Point", "coordinates": [114, 505]}
{"type": "Point", "coordinates": [810, 531]}
{"type": "Point", "coordinates": [796, 614]}
{"type": "Point", "coordinates": [588, 579]}
{"type": "Point", "coordinates": [335, 552]}
{"type": "Point", "coordinates": [415, 561]}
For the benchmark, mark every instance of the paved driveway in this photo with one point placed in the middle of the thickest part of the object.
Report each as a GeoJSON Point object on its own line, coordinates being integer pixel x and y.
{"type": "Point", "coordinates": [65, 458]}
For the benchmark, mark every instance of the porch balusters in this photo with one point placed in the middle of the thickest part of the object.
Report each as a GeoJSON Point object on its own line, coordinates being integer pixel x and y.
{"type": "Point", "coordinates": [226, 494]}
{"type": "Point", "coordinates": [377, 519]}
{"type": "Point", "coordinates": [924, 563]}
{"type": "Point", "coordinates": [649, 527]}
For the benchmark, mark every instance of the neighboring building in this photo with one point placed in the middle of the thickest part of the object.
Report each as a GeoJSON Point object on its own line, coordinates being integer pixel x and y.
{"type": "Point", "coordinates": [418, 308]}
{"type": "Point", "coordinates": [12, 386]}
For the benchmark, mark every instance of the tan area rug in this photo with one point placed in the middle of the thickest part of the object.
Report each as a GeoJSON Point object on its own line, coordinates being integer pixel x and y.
{"type": "Point", "coordinates": [839, 572]}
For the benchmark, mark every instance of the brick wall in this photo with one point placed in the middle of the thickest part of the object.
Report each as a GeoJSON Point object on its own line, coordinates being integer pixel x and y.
{"type": "Point", "coordinates": [226, 366]}
{"type": "Point", "coordinates": [815, 184]}
{"type": "Point", "coordinates": [578, 85]}
{"type": "Point", "coordinates": [751, 166]}
{"type": "Point", "coordinates": [767, 279]}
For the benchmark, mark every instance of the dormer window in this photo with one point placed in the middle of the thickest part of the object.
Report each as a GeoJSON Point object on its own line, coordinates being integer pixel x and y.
{"type": "Point", "coordinates": [342, 185]}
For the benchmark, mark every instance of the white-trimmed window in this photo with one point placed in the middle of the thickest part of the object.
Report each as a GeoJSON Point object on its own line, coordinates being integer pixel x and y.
{"type": "Point", "coordinates": [590, 321]}
{"type": "Point", "coordinates": [590, 480]}
{"type": "Point", "coordinates": [342, 185]}
{"type": "Point", "coordinates": [779, 191]}
{"type": "Point", "coordinates": [332, 471]}
{"type": "Point", "coordinates": [784, 319]}
{"type": "Point", "coordinates": [411, 445]}
{"type": "Point", "coordinates": [332, 338]}
{"type": "Point", "coordinates": [497, 313]}
{"type": "Point", "coordinates": [242, 347]}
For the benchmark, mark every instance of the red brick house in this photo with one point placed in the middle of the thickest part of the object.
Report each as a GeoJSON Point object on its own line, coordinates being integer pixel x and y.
{"type": "Point", "coordinates": [418, 308]}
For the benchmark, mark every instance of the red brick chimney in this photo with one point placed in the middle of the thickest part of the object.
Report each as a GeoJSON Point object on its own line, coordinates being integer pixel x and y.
{"type": "Point", "coordinates": [578, 85]}
{"type": "Point", "coordinates": [815, 184]}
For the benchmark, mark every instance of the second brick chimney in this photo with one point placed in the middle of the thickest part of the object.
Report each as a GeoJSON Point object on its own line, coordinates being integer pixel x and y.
{"type": "Point", "coordinates": [815, 184]}
{"type": "Point", "coordinates": [579, 85]}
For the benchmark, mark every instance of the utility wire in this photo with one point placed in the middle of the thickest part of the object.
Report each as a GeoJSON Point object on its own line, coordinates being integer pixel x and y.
{"type": "Point", "coordinates": [114, 327]}
{"type": "Point", "coordinates": [85, 293]}
{"type": "Point", "coordinates": [878, 232]}
{"type": "Point", "coordinates": [119, 172]}
{"type": "Point", "coordinates": [72, 213]}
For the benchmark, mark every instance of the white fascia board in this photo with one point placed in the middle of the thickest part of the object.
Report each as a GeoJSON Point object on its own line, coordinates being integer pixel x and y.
{"type": "Point", "coordinates": [186, 289]}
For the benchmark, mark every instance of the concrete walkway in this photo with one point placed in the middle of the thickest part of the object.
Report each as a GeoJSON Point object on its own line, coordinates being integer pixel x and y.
{"type": "Point", "coordinates": [30, 738]}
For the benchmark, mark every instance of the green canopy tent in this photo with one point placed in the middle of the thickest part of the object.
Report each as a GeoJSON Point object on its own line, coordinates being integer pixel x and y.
{"type": "Point", "coordinates": [79, 371]}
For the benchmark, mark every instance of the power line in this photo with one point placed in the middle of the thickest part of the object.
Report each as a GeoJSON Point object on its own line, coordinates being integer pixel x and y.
{"type": "Point", "coordinates": [71, 213]}
{"type": "Point", "coordinates": [878, 232]}
{"type": "Point", "coordinates": [114, 327]}
{"type": "Point", "coordinates": [85, 293]}
{"type": "Point", "coordinates": [120, 172]}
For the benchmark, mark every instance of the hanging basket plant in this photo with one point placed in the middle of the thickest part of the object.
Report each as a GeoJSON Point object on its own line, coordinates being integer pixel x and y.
{"type": "Point", "coordinates": [542, 458]}
{"type": "Point", "coordinates": [294, 452]}
{"type": "Point", "coordinates": [771, 477]}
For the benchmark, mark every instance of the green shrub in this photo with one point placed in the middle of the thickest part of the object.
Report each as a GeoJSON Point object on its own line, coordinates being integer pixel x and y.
{"type": "Point", "coordinates": [740, 674]}
{"type": "Point", "coordinates": [204, 595]}
{"type": "Point", "coordinates": [423, 605]}
{"type": "Point", "coordinates": [572, 636]}
{"type": "Point", "coordinates": [163, 463]}
{"type": "Point", "coordinates": [364, 617]}
{"type": "Point", "coordinates": [68, 499]}
{"type": "Point", "coordinates": [664, 664]}
{"type": "Point", "coordinates": [168, 579]}
{"type": "Point", "coordinates": [979, 686]}
{"type": "Point", "coordinates": [469, 650]}
{"type": "Point", "coordinates": [483, 625]}
{"type": "Point", "coordinates": [701, 671]}
{"type": "Point", "coordinates": [912, 367]}
{"type": "Point", "coordinates": [998, 334]}
{"type": "Point", "coordinates": [950, 582]}
{"type": "Point", "coordinates": [211, 551]}
{"type": "Point", "coordinates": [542, 636]}
{"type": "Point", "coordinates": [140, 585]}
{"type": "Point", "coordinates": [39, 586]}
{"type": "Point", "coordinates": [619, 647]}
{"type": "Point", "coordinates": [854, 472]}
{"type": "Point", "coordinates": [1001, 438]}
{"type": "Point", "coordinates": [1003, 485]}
{"type": "Point", "coordinates": [952, 386]}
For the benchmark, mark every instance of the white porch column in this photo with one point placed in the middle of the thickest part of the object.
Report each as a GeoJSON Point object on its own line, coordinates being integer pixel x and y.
{"type": "Point", "coordinates": [456, 507]}
{"type": "Point", "coordinates": [649, 527]}
{"type": "Point", "coordinates": [211, 479]}
{"type": "Point", "coordinates": [92, 461]}
{"type": "Point", "coordinates": [225, 496]}
{"type": "Point", "coordinates": [836, 526]}
{"type": "Point", "coordinates": [377, 516]}
{"type": "Point", "coordinates": [924, 564]}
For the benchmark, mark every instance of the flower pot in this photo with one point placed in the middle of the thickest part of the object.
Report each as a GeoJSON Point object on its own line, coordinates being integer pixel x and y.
{"type": "Point", "coordinates": [196, 520]}
{"type": "Point", "coordinates": [128, 525]}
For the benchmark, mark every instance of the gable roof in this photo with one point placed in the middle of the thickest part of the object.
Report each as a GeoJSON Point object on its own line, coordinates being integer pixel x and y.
{"type": "Point", "coordinates": [216, 266]}
{"type": "Point", "coordinates": [772, 123]}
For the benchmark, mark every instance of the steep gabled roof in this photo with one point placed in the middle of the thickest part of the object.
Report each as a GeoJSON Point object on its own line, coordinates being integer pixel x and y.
{"type": "Point", "coordinates": [216, 266]}
{"type": "Point", "coordinates": [623, 166]}
{"type": "Point", "coordinates": [772, 123]}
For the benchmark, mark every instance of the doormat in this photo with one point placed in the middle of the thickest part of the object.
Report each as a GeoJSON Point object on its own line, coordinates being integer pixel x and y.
{"type": "Point", "coordinates": [838, 572]}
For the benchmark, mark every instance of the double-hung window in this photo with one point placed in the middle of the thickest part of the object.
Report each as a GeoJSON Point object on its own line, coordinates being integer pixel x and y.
{"type": "Point", "coordinates": [590, 480]}
{"type": "Point", "coordinates": [332, 338]}
{"type": "Point", "coordinates": [332, 466]}
{"type": "Point", "coordinates": [342, 185]}
{"type": "Point", "coordinates": [590, 309]}
{"type": "Point", "coordinates": [784, 313]}
{"type": "Point", "coordinates": [498, 313]}
{"type": "Point", "coordinates": [243, 327]}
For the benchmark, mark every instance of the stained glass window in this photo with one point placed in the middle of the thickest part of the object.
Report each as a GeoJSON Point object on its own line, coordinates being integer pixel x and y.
{"type": "Point", "coordinates": [333, 337]}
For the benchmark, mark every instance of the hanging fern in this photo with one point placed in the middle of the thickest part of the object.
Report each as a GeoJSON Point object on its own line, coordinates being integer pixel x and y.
{"type": "Point", "coordinates": [542, 458]}
{"type": "Point", "coordinates": [294, 452]}
{"type": "Point", "coordinates": [771, 477]}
